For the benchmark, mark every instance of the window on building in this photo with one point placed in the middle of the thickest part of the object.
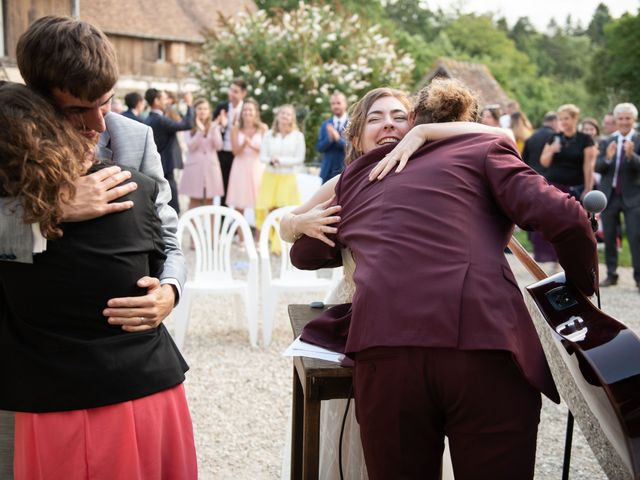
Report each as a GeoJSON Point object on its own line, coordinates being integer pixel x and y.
{"type": "Point", "coordinates": [161, 52]}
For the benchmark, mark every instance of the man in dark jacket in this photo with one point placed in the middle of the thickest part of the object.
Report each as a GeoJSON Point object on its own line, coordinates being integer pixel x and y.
{"type": "Point", "coordinates": [330, 138]}
{"type": "Point", "coordinates": [619, 165]}
{"type": "Point", "coordinates": [535, 143]}
{"type": "Point", "coordinates": [164, 133]}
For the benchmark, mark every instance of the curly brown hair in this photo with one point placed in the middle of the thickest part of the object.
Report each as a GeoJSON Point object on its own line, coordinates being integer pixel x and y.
{"type": "Point", "coordinates": [445, 100]}
{"type": "Point", "coordinates": [41, 156]}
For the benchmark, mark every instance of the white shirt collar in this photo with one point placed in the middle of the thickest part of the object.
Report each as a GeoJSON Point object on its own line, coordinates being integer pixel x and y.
{"type": "Point", "coordinates": [341, 119]}
{"type": "Point", "coordinates": [626, 137]}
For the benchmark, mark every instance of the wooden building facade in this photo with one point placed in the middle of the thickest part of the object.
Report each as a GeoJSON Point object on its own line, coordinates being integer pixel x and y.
{"type": "Point", "coordinates": [154, 39]}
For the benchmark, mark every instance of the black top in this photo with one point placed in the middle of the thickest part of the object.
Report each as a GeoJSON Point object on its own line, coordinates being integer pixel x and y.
{"type": "Point", "coordinates": [566, 166]}
{"type": "Point", "coordinates": [57, 351]}
{"type": "Point", "coordinates": [533, 147]}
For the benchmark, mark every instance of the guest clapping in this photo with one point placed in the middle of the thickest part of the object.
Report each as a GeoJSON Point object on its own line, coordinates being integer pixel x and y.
{"type": "Point", "coordinates": [331, 142]}
{"type": "Point", "coordinates": [247, 170]}
{"type": "Point", "coordinates": [282, 151]}
{"type": "Point", "coordinates": [202, 177]}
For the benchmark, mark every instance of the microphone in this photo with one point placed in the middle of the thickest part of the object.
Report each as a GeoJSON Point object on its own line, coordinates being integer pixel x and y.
{"type": "Point", "coordinates": [594, 202]}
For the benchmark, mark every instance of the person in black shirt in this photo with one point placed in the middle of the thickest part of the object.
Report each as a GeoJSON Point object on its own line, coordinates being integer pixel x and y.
{"type": "Point", "coordinates": [570, 157]}
{"type": "Point", "coordinates": [567, 162]}
{"type": "Point", "coordinates": [72, 376]}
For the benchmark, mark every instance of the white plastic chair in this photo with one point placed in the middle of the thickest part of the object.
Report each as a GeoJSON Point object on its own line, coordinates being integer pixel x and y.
{"type": "Point", "coordinates": [212, 229]}
{"type": "Point", "coordinates": [290, 279]}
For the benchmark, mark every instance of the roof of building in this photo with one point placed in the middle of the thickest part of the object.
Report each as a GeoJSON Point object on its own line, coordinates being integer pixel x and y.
{"type": "Point", "coordinates": [174, 20]}
{"type": "Point", "coordinates": [476, 76]}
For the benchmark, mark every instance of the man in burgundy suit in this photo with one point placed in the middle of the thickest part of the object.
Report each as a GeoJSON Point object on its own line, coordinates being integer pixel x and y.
{"type": "Point", "coordinates": [442, 340]}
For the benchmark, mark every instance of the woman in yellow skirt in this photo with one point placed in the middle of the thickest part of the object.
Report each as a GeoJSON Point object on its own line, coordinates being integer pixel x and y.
{"type": "Point", "coordinates": [282, 151]}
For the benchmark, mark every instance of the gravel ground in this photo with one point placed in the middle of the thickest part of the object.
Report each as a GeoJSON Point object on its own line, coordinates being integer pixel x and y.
{"type": "Point", "coordinates": [240, 397]}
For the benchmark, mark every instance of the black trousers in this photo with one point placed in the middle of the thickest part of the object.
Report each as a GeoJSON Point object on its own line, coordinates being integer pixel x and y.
{"type": "Point", "coordinates": [226, 160]}
{"type": "Point", "coordinates": [174, 192]}
{"type": "Point", "coordinates": [409, 398]}
{"type": "Point", "coordinates": [610, 221]}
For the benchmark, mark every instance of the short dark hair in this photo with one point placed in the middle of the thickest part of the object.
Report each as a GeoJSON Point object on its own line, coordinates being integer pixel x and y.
{"type": "Point", "coordinates": [131, 100]}
{"type": "Point", "coordinates": [150, 95]}
{"type": "Point", "coordinates": [550, 117]}
{"type": "Point", "coordinates": [240, 83]}
{"type": "Point", "coordinates": [67, 54]}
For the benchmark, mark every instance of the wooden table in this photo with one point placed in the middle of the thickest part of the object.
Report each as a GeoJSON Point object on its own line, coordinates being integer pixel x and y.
{"type": "Point", "coordinates": [313, 381]}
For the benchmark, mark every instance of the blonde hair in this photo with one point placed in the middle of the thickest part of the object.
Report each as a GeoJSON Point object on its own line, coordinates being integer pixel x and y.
{"type": "Point", "coordinates": [521, 126]}
{"type": "Point", "coordinates": [275, 128]}
{"type": "Point", "coordinates": [257, 121]}
{"type": "Point", "coordinates": [358, 114]}
{"type": "Point", "coordinates": [571, 109]}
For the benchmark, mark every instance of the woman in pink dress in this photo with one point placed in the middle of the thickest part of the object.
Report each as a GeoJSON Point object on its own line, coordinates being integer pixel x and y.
{"type": "Point", "coordinates": [202, 177]}
{"type": "Point", "coordinates": [246, 171]}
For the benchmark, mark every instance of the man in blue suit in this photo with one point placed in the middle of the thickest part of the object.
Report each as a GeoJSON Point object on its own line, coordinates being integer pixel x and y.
{"type": "Point", "coordinates": [164, 133]}
{"type": "Point", "coordinates": [330, 139]}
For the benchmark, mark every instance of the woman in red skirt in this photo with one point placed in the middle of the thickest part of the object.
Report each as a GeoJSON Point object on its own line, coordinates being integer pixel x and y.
{"type": "Point", "coordinates": [94, 401]}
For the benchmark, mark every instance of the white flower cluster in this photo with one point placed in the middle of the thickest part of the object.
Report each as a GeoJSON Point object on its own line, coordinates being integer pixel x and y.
{"type": "Point", "coordinates": [301, 57]}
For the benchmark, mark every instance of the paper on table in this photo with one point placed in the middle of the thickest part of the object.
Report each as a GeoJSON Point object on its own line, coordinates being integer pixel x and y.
{"type": "Point", "coordinates": [303, 349]}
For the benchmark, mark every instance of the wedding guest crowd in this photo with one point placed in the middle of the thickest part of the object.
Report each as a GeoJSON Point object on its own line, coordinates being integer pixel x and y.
{"type": "Point", "coordinates": [231, 155]}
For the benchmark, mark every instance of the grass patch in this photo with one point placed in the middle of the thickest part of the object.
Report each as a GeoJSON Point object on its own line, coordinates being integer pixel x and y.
{"type": "Point", "coordinates": [624, 255]}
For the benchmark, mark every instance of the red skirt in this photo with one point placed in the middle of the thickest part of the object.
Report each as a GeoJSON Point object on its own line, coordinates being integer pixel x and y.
{"type": "Point", "coordinates": [150, 438]}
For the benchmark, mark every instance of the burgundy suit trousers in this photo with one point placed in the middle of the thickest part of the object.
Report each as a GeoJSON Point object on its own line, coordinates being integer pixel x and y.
{"type": "Point", "coordinates": [408, 399]}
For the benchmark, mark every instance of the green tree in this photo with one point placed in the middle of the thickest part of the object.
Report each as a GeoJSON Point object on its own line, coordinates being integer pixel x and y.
{"type": "Point", "coordinates": [595, 30]}
{"type": "Point", "coordinates": [300, 56]}
{"type": "Point", "coordinates": [615, 66]}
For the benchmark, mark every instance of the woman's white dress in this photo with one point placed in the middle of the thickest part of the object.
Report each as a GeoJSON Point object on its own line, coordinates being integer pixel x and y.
{"type": "Point", "coordinates": [332, 411]}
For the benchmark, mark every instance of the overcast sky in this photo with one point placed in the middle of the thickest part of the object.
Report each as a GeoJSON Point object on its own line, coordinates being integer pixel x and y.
{"type": "Point", "coordinates": [540, 11]}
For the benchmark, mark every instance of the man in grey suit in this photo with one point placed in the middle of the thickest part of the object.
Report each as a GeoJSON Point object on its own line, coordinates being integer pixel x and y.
{"type": "Point", "coordinates": [72, 63]}
{"type": "Point", "coordinates": [619, 164]}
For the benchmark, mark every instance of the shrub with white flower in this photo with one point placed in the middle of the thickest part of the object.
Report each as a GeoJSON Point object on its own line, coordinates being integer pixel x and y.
{"type": "Point", "coordinates": [300, 57]}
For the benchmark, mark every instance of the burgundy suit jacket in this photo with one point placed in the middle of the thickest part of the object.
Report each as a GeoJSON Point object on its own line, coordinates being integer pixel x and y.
{"type": "Point", "coordinates": [429, 249]}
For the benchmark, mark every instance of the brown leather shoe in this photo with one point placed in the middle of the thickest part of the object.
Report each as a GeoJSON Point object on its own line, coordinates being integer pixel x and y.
{"type": "Point", "coordinates": [609, 282]}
